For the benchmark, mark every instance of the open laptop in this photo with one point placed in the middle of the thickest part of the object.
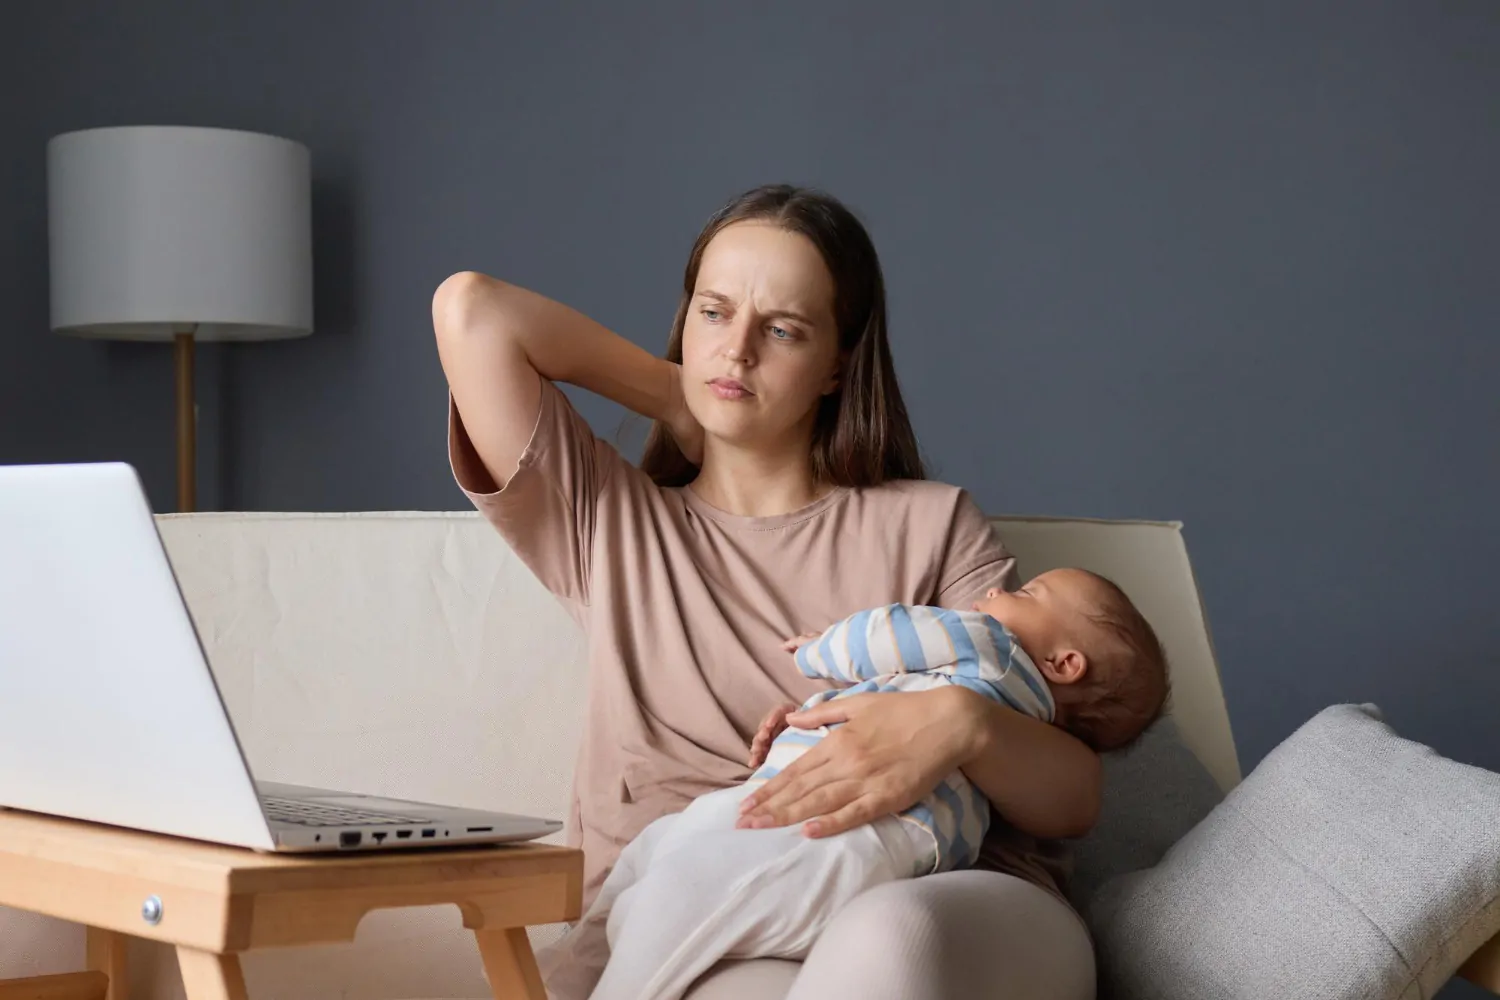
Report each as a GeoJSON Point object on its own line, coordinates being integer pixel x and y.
{"type": "Point", "coordinates": [108, 709]}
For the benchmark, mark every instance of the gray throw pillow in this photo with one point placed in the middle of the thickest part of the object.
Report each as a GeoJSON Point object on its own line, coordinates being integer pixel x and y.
{"type": "Point", "coordinates": [1351, 864]}
{"type": "Point", "coordinates": [1155, 791]}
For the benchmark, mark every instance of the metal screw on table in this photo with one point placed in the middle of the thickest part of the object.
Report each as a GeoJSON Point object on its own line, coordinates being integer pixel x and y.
{"type": "Point", "coordinates": [151, 910]}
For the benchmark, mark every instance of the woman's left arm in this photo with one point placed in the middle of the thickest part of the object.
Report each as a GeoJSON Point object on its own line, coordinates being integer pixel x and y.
{"type": "Point", "coordinates": [1040, 778]}
{"type": "Point", "coordinates": [893, 749]}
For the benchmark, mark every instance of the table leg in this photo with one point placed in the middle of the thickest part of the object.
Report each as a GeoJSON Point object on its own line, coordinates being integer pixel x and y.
{"type": "Point", "coordinates": [105, 952]}
{"type": "Point", "coordinates": [509, 964]}
{"type": "Point", "coordinates": [207, 976]}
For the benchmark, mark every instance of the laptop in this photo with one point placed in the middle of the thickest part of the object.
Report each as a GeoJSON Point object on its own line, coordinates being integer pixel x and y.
{"type": "Point", "coordinates": [109, 711]}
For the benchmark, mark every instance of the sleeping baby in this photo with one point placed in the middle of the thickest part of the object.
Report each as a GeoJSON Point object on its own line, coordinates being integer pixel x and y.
{"type": "Point", "coordinates": [1068, 648]}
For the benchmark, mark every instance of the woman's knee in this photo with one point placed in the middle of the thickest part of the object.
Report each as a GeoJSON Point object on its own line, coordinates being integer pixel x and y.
{"type": "Point", "coordinates": [960, 934]}
{"type": "Point", "coordinates": [889, 915]}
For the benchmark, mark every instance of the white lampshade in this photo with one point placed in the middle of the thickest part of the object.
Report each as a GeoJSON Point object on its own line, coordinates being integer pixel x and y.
{"type": "Point", "coordinates": [156, 230]}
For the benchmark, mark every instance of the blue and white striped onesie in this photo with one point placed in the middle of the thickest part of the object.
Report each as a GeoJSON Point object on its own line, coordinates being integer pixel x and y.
{"type": "Point", "coordinates": [916, 648]}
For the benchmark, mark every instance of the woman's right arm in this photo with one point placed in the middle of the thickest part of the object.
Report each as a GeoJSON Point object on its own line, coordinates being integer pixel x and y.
{"type": "Point", "coordinates": [497, 341]}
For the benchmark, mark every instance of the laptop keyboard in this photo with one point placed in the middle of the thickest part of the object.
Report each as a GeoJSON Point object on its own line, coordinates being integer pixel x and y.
{"type": "Point", "coordinates": [313, 814]}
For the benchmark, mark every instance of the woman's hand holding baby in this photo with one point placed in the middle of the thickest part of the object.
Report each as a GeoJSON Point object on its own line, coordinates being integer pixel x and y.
{"type": "Point", "coordinates": [886, 754]}
{"type": "Point", "coordinates": [888, 751]}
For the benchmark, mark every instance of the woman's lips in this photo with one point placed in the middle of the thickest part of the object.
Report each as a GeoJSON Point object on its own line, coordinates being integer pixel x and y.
{"type": "Point", "coordinates": [728, 388]}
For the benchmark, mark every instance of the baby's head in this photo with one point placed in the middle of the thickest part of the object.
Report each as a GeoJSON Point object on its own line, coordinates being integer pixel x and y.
{"type": "Point", "coordinates": [1101, 659]}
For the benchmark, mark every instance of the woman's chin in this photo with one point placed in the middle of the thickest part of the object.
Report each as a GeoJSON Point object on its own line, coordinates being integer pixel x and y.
{"type": "Point", "coordinates": [736, 433]}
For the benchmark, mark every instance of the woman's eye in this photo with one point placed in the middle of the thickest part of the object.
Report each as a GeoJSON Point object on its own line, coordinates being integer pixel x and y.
{"type": "Point", "coordinates": [712, 315]}
{"type": "Point", "coordinates": [781, 333]}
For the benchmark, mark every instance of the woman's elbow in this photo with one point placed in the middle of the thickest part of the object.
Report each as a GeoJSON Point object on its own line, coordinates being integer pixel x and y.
{"type": "Point", "coordinates": [1088, 800]}
{"type": "Point", "coordinates": [459, 301]}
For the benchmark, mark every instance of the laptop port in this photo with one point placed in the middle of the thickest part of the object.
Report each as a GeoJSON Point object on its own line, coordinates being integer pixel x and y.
{"type": "Point", "coordinates": [350, 839]}
{"type": "Point", "coordinates": [481, 829]}
{"type": "Point", "coordinates": [379, 836]}
{"type": "Point", "coordinates": [428, 833]}
{"type": "Point", "coordinates": [403, 834]}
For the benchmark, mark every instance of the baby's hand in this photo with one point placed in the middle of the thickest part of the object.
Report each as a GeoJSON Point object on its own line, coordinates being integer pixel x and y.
{"type": "Point", "coordinates": [797, 642]}
{"type": "Point", "coordinates": [770, 728]}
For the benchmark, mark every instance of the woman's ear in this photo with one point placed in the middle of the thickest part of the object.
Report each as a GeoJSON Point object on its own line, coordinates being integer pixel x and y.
{"type": "Point", "coordinates": [1066, 666]}
{"type": "Point", "coordinates": [832, 385]}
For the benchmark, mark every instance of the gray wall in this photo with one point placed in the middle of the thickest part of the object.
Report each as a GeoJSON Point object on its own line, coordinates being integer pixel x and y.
{"type": "Point", "coordinates": [1231, 264]}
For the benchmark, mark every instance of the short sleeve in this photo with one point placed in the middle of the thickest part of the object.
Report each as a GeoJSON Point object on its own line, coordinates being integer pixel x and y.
{"type": "Point", "coordinates": [974, 560]}
{"type": "Point", "coordinates": [548, 509]}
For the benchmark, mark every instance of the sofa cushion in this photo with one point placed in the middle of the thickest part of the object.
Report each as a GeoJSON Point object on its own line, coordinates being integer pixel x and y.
{"type": "Point", "coordinates": [1351, 863]}
{"type": "Point", "coordinates": [1155, 791]}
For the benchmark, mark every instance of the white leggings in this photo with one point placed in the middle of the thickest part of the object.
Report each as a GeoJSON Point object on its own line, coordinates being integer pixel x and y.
{"type": "Point", "coordinates": [691, 890]}
{"type": "Point", "coordinates": [968, 935]}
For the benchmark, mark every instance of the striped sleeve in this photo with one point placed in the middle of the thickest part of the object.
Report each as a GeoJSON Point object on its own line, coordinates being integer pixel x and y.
{"type": "Point", "coordinates": [969, 648]}
{"type": "Point", "coordinates": [895, 639]}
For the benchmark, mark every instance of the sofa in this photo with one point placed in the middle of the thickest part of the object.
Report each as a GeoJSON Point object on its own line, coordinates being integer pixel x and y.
{"type": "Point", "coordinates": [413, 655]}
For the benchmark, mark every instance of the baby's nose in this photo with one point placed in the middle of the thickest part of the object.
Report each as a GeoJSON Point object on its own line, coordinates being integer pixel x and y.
{"type": "Point", "coordinates": [993, 592]}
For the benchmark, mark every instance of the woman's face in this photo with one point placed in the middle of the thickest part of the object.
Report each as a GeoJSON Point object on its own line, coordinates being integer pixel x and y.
{"type": "Point", "coordinates": [759, 343]}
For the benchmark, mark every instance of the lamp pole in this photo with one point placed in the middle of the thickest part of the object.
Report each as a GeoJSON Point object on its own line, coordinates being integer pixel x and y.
{"type": "Point", "coordinates": [187, 424]}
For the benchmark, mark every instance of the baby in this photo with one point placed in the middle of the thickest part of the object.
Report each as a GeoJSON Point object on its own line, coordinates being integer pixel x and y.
{"type": "Point", "coordinates": [1068, 648]}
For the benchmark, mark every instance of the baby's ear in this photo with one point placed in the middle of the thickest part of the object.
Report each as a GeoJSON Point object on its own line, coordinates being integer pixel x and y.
{"type": "Point", "coordinates": [1066, 666]}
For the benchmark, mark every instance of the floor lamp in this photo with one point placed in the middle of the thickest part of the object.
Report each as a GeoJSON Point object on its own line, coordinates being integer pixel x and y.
{"type": "Point", "coordinates": [183, 235]}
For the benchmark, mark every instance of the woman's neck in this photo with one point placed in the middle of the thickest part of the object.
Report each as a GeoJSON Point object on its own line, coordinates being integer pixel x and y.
{"type": "Point", "coordinates": [756, 483]}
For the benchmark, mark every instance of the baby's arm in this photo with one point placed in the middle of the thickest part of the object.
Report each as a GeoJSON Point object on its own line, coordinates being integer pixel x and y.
{"type": "Point", "coordinates": [968, 648]}
{"type": "Point", "coordinates": [988, 660]}
{"type": "Point", "coordinates": [895, 639]}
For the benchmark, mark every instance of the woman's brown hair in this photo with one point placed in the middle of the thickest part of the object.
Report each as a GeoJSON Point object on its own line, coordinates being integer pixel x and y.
{"type": "Point", "coordinates": [862, 435]}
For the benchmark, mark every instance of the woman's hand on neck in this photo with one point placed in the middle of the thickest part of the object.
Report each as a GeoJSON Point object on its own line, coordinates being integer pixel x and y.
{"type": "Point", "coordinates": [755, 482]}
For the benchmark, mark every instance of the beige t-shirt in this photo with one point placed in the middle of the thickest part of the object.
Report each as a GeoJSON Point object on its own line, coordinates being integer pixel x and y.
{"type": "Point", "coordinates": [686, 608]}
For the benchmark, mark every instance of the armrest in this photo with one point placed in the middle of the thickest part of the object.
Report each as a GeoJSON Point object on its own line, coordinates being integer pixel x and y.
{"type": "Point", "coordinates": [1483, 967]}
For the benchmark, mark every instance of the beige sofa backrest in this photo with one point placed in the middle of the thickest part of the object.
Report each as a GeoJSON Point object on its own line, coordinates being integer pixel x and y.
{"type": "Point", "coordinates": [412, 654]}
{"type": "Point", "coordinates": [405, 654]}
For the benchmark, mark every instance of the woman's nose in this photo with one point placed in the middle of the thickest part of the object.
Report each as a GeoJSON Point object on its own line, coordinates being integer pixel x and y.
{"type": "Point", "coordinates": [738, 346]}
{"type": "Point", "coordinates": [992, 593]}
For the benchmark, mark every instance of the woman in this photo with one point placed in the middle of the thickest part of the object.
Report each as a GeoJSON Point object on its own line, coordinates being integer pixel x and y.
{"type": "Point", "coordinates": [780, 491]}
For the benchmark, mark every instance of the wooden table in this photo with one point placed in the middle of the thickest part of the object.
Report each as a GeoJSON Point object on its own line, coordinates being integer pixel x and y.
{"type": "Point", "coordinates": [214, 902]}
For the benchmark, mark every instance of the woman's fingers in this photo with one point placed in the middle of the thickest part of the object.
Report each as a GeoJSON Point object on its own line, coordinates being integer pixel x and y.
{"type": "Point", "coordinates": [761, 745]}
{"type": "Point", "coordinates": [891, 752]}
{"type": "Point", "coordinates": [799, 776]}
{"type": "Point", "coordinates": [776, 718]}
{"type": "Point", "coordinates": [803, 803]}
{"type": "Point", "coordinates": [769, 729]}
{"type": "Point", "coordinates": [829, 713]}
{"type": "Point", "coordinates": [684, 426]}
{"type": "Point", "coordinates": [865, 809]}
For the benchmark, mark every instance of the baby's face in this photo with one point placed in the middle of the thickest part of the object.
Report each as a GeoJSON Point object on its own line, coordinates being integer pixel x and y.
{"type": "Point", "coordinates": [1042, 612]}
